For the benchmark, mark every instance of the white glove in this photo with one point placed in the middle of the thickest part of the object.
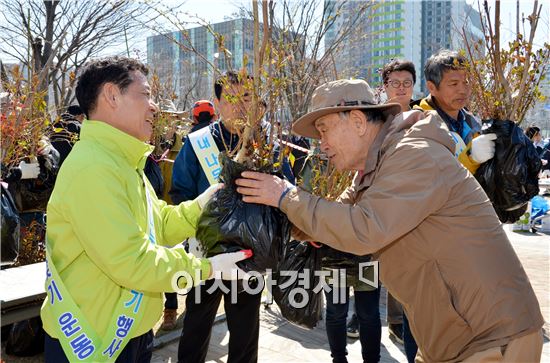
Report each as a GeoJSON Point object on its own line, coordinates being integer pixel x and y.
{"type": "Point", "coordinates": [207, 194]}
{"type": "Point", "coordinates": [29, 171]}
{"type": "Point", "coordinates": [195, 247]}
{"type": "Point", "coordinates": [44, 147]}
{"type": "Point", "coordinates": [223, 266]}
{"type": "Point", "coordinates": [483, 148]}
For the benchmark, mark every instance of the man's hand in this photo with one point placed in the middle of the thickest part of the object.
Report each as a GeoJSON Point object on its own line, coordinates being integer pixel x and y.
{"type": "Point", "coordinates": [483, 148]}
{"type": "Point", "coordinates": [224, 266]}
{"type": "Point", "coordinates": [262, 188]}
{"type": "Point", "coordinates": [207, 194]}
{"type": "Point", "coordinates": [29, 171]}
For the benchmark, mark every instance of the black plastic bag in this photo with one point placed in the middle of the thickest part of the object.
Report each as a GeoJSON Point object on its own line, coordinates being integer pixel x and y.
{"type": "Point", "coordinates": [228, 224]}
{"type": "Point", "coordinates": [11, 227]}
{"type": "Point", "coordinates": [26, 338]}
{"type": "Point", "coordinates": [510, 178]}
{"type": "Point", "coordinates": [335, 259]}
{"type": "Point", "coordinates": [33, 194]}
{"type": "Point", "coordinates": [299, 257]}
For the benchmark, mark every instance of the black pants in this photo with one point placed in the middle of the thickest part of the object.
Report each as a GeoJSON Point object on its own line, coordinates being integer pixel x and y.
{"type": "Point", "coordinates": [367, 307]}
{"type": "Point", "coordinates": [171, 301]}
{"type": "Point", "coordinates": [243, 323]}
{"type": "Point", "coordinates": [408, 341]}
{"type": "Point", "coordinates": [138, 350]}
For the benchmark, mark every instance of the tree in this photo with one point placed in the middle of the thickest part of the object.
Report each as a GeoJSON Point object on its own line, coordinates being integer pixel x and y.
{"type": "Point", "coordinates": [69, 32]}
{"type": "Point", "coordinates": [505, 80]}
{"type": "Point", "coordinates": [300, 59]}
{"type": "Point", "coordinates": [304, 59]}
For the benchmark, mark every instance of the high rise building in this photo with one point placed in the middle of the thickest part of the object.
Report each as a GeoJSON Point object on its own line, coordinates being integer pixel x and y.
{"type": "Point", "coordinates": [412, 30]}
{"type": "Point", "coordinates": [185, 60]}
{"type": "Point", "coordinates": [442, 26]}
{"type": "Point", "coordinates": [539, 114]}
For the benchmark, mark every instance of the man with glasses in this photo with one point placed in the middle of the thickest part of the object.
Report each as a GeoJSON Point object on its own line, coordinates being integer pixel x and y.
{"type": "Point", "coordinates": [399, 77]}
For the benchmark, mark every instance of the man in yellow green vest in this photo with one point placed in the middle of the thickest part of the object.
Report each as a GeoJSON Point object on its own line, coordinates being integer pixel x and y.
{"type": "Point", "coordinates": [450, 91]}
{"type": "Point", "coordinates": [108, 260]}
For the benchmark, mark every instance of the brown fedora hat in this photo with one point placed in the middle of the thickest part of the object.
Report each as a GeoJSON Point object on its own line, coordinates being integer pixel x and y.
{"type": "Point", "coordinates": [338, 96]}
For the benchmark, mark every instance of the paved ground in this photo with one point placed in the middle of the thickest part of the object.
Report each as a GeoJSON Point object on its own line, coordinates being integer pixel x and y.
{"type": "Point", "coordinates": [281, 341]}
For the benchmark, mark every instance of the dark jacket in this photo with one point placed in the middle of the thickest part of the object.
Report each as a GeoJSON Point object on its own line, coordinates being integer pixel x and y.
{"type": "Point", "coordinates": [33, 194]}
{"type": "Point", "coordinates": [544, 154]}
{"type": "Point", "coordinates": [154, 175]}
{"type": "Point", "coordinates": [66, 133]}
{"type": "Point", "coordinates": [199, 126]}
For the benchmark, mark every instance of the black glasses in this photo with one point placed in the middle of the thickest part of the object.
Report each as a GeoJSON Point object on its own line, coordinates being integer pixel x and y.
{"type": "Point", "coordinates": [396, 84]}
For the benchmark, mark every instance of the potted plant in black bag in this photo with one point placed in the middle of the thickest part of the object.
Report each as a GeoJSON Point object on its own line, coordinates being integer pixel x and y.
{"type": "Point", "coordinates": [505, 84]}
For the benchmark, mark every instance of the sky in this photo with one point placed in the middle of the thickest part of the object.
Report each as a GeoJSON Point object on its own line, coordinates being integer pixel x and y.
{"type": "Point", "coordinates": [215, 10]}
{"type": "Point", "coordinates": [508, 18]}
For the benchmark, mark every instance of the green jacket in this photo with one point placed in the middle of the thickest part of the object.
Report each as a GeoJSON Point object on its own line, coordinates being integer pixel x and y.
{"type": "Point", "coordinates": [97, 230]}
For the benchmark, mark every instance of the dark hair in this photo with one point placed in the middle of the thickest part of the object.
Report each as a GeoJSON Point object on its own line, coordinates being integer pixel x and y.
{"type": "Point", "coordinates": [375, 116]}
{"type": "Point", "coordinates": [106, 70]}
{"type": "Point", "coordinates": [228, 77]}
{"type": "Point", "coordinates": [204, 116]}
{"type": "Point", "coordinates": [397, 65]}
{"type": "Point", "coordinates": [531, 132]}
{"type": "Point", "coordinates": [75, 110]}
{"type": "Point", "coordinates": [372, 115]}
{"type": "Point", "coordinates": [440, 62]}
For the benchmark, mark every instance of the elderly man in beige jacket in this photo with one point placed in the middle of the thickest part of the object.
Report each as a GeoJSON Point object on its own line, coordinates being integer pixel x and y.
{"type": "Point", "coordinates": [442, 251]}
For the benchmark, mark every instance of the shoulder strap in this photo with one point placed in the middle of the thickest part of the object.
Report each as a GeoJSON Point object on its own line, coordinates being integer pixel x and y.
{"type": "Point", "coordinates": [77, 337]}
{"type": "Point", "coordinates": [207, 152]}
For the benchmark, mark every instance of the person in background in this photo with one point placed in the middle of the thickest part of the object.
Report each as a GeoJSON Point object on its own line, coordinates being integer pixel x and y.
{"type": "Point", "coordinates": [67, 131]}
{"type": "Point", "coordinates": [232, 102]}
{"type": "Point", "coordinates": [203, 114]}
{"type": "Point", "coordinates": [170, 146]}
{"type": "Point", "coordinates": [533, 133]}
{"type": "Point", "coordinates": [201, 304]}
{"type": "Point", "coordinates": [450, 91]}
{"type": "Point", "coordinates": [399, 78]}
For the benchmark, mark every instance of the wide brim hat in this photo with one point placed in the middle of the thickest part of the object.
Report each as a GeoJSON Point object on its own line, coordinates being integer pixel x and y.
{"type": "Point", "coordinates": [340, 96]}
